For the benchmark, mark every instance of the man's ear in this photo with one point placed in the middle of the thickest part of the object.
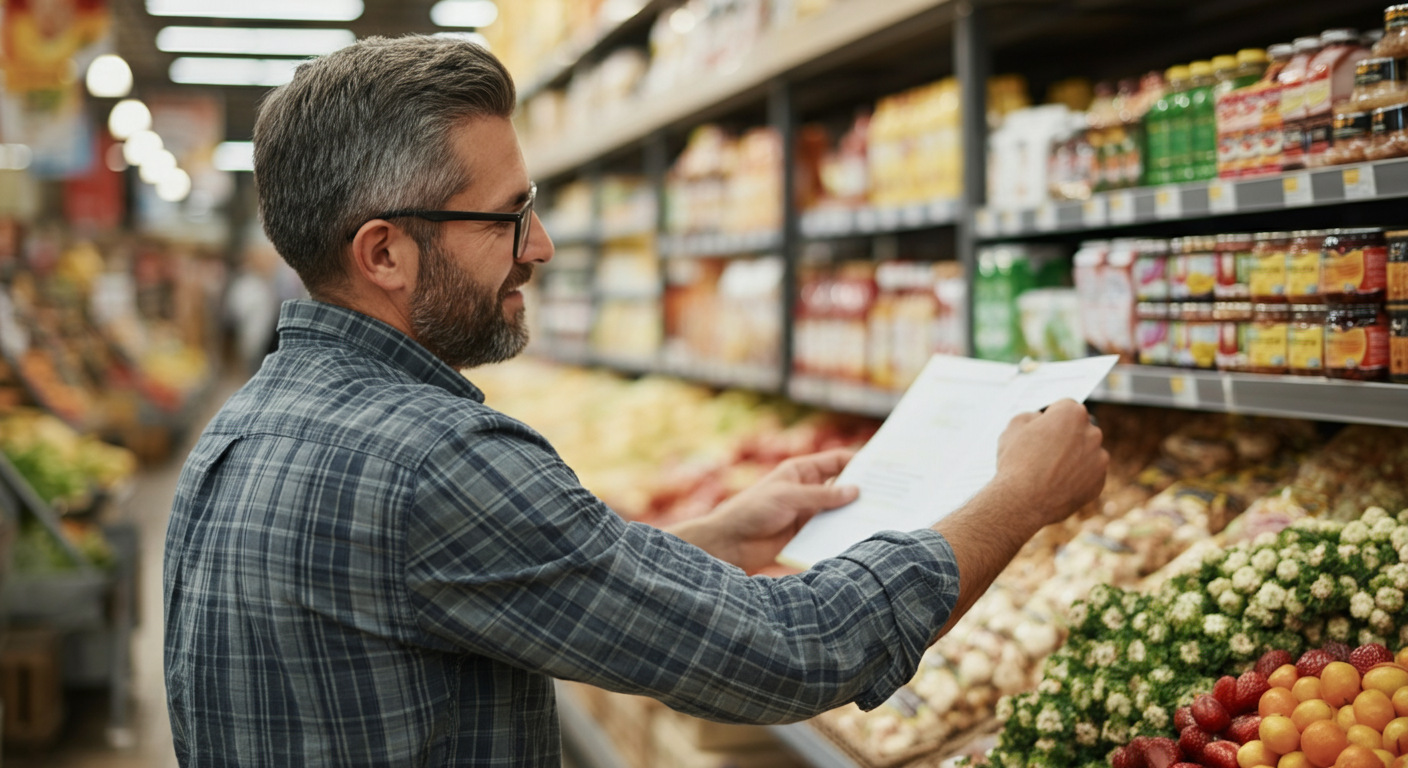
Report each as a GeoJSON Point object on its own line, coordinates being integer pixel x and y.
{"type": "Point", "coordinates": [385, 256]}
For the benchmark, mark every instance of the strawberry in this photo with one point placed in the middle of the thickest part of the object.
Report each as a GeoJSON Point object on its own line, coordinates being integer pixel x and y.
{"type": "Point", "coordinates": [1183, 717]}
{"type": "Point", "coordinates": [1312, 662]}
{"type": "Point", "coordinates": [1186, 765]}
{"type": "Point", "coordinates": [1139, 744]}
{"type": "Point", "coordinates": [1244, 729]}
{"type": "Point", "coordinates": [1225, 691]}
{"type": "Point", "coordinates": [1250, 686]}
{"type": "Point", "coordinates": [1127, 757]}
{"type": "Point", "coordinates": [1220, 754]}
{"type": "Point", "coordinates": [1273, 660]}
{"type": "Point", "coordinates": [1192, 740]}
{"type": "Point", "coordinates": [1339, 650]}
{"type": "Point", "coordinates": [1209, 713]}
{"type": "Point", "coordinates": [1162, 752]}
{"type": "Point", "coordinates": [1366, 656]}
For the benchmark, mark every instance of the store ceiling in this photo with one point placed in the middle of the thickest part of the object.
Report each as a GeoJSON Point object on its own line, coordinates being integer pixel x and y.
{"type": "Point", "coordinates": [135, 37]}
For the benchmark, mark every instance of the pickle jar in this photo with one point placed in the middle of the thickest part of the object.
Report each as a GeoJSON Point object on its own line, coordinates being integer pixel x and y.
{"type": "Point", "coordinates": [1398, 343]}
{"type": "Point", "coordinates": [1303, 256]}
{"type": "Point", "coordinates": [1396, 270]}
{"type": "Point", "coordinates": [1267, 338]}
{"type": "Point", "coordinates": [1268, 267]}
{"type": "Point", "coordinates": [1356, 342]}
{"type": "Point", "coordinates": [1233, 320]}
{"type": "Point", "coordinates": [1305, 340]}
{"type": "Point", "coordinates": [1151, 333]}
{"type": "Point", "coordinates": [1201, 330]}
{"type": "Point", "coordinates": [1234, 260]}
{"type": "Point", "coordinates": [1354, 266]}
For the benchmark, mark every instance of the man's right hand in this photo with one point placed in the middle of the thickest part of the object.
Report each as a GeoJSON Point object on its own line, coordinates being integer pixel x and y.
{"type": "Point", "coordinates": [1053, 460]}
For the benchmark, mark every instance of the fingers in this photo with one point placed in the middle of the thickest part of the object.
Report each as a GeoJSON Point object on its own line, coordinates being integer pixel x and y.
{"type": "Point", "coordinates": [808, 498]}
{"type": "Point", "coordinates": [816, 467]}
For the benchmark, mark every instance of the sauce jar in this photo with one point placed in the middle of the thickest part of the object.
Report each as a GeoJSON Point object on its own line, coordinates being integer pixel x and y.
{"type": "Point", "coordinates": [1151, 333]}
{"type": "Point", "coordinates": [1303, 265]}
{"type": "Point", "coordinates": [1394, 43]}
{"type": "Point", "coordinates": [1352, 135]}
{"type": "Point", "coordinates": [1398, 343]}
{"type": "Point", "coordinates": [1387, 137]}
{"type": "Point", "coordinates": [1196, 269]}
{"type": "Point", "coordinates": [1353, 266]}
{"type": "Point", "coordinates": [1268, 270]}
{"type": "Point", "coordinates": [1305, 340]}
{"type": "Point", "coordinates": [1202, 333]}
{"type": "Point", "coordinates": [1179, 352]}
{"type": "Point", "coordinates": [1234, 261]}
{"type": "Point", "coordinates": [1233, 320]}
{"type": "Point", "coordinates": [1378, 82]}
{"type": "Point", "coordinates": [1267, 338]}
{"type": "Point", "coordinates": [1151, 270]}
{"type": "Point", "coordinates": [1396, 271]}
{"type": "Point", "coordinates": [1356, 342]}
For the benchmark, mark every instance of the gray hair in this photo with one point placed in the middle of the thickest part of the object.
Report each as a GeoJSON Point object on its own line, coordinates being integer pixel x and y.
{"type": "Point", "coordinates": [362, 131]}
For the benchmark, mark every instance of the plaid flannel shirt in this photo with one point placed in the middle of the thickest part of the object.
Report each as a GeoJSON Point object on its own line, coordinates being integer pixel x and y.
{"type": "Point", "coordinates": [365, 565]}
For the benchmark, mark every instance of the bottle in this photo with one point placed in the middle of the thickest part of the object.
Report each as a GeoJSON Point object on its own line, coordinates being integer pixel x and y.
{"type": "Point", "coordinates": [1202, 161]}
{"type": "Point", "coordinates": [1394, 43]}
{"type": "Point", "coordinates": [1329, 81]}
{"type": "Point", "coordinates": [1225, 108]}
{"type": "Point", "coordinates": [1177, 165]}
{"type": "Point", "coordinates": [1156, 131]}
{"type": "Point", "coordinates": [1261, 146]}
{"type": "Point", "coordinates": [1293, 114]}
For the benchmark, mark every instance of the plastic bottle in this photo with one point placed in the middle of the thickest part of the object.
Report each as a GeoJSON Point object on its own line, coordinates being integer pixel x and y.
{"type": "Point", "coordinates": [1202, 115]}
{"type": "Point", "coordinates": [1293, 81]}
{"type": "Point", "coordinates": [1156, 146]}
{"type": "Point", "coordinates": [1264, 105]}
{"type": "Point", "coordinates": [1179, 127]}
{"type": "Point", "coordinates": [1329, 81]}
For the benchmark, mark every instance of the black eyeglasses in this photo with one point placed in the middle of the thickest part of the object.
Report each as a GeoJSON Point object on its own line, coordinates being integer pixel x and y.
{"type": "Point", "coordinates": [522, 221]}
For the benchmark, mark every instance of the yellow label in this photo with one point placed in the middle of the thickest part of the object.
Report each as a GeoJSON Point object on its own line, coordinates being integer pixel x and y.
{"type": "Point", "coordinates": [1398, 356]}
{"type": "Point", "coordinates": [1342, 272]}
{"type": "Point", "coordinates": [1175, 385]}
{"type": "Point", "coordinates": [1397, 280]}
{"type": "Point", "coordinates": [1305, 348]}
{"type": "Point", "coordinates": [1347, 349]}
{"type": "Point", "coordinates": [1303, 273]}
{"type": "Point", "coordinates": [1351, 177]}
{"type": "Point", "coordinates": [1215, 192]}
{"type": "Point", "coordinates": [1268, 276]}
{"type": "Point", "coordinates": [1290, 185]}
{"type": "Point", "coordinates": [1317, 92]}
{"type": "Point", "coordinates": [1268, 345]}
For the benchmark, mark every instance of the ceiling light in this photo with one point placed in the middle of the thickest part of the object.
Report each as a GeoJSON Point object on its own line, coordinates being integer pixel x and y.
{"type": "Point", "coordinates": [174, 186]}
{"type": "Point", "coordinates": [109, 77]}
{"type": "Point", "coordinates": [216, 71]}
{"type": "Point", "coordinates": [468, 37]}
{"type": "Point", "coordinates": [127, 117]}
{"type": "Point", "coordinates": [283, 10]}
{"type": "Point", "coordinates": [157, 165]}
{"type": "Point", "coordinates": [464, 13]}
{"type": "Point", "coordinates": [15, 157]}
{"type": "Point", "coordinates": [234, 156]}
{"type": "Point", "coordinates": [253, 42]}
{"type": "Point", "coordinates": [140, 146]}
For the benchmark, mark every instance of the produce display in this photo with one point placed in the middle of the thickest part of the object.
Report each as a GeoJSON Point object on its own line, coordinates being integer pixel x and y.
{"type": "Point", "coordinates": [62, 466]}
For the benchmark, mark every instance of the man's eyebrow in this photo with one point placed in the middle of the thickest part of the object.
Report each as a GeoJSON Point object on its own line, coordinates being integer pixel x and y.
{"type": "Point", "coordinates": [516, 203]}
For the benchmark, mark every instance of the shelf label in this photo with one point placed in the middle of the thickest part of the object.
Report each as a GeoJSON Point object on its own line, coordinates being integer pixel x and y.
{"type": "Point", "coordinates": [1168, 203]}
{"type": "Point", "coordinates": [1046, 217]}
{"type": "Point", "coordinates": [1122, 207]}
{"type": "Point", "coordinates": [889, 218]}
{"type": "Point", "coordinates": [1184, 389]}
{"type": "Point", "coordinates": [985, 222]}
{"type": "Point", "coordinates": [1222, 197]}
{"type": "Point", "coordinates": [1010, 222]}
{"type": "Point", "coordinates": [1119, 386]}
{"type": "Point", "coordinates": [1095, 212]}
{"type": "Point", "coordinates": [867, 220]}
{"type": "Point", "coordinates": [1296, 187]}
{"type": "Point", "coordinates": [1359, 183]}
{"type": "Point", "coordinates": [913, 215]}
{"type": "Point", "coordinates": [943, 211]}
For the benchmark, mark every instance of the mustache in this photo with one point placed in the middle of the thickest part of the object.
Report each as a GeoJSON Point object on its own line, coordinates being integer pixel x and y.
{"type": "Point", "coordinates": [518, 276]}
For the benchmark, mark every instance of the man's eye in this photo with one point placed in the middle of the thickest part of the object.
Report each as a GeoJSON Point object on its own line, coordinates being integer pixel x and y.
{"type": "Point", "coordinates": [503, 226]}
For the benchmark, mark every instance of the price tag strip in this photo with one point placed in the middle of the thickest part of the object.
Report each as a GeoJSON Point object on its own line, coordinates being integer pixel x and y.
{"type": "Point", "coordinates": [1222, 197]}
{"type": "Point", "coordinates": [1184, 389]}
{"type": "Point", "coordinates": [1095, 212]}
{"type": "Point", "coordinates": [1296, 189]}
{"type": "Point", "coordinates": [1359, 183]}
{"type": "Point", "coordinates": [1121, 207]}
{"type": "Point", "coordinates": [1168, 203]}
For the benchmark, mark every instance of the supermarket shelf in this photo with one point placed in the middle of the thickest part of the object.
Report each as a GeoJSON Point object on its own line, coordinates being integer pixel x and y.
{"type": "Point", "coordinates": [844, 222]}
{"type": "Point", "coordinates": [1383, 180]}
{"type": "Point", "coordinates": [842, 396]}
{"type": "Point", "coordinates": [1283, 396]}
{"type": "Point", "coordinates": [776, 53]}
{"type": "Point", "coordinates": [558, 71]}
{"type": "Point", "coordinates": [582, 738]}
{"type": "Point", "coordinates": [761, 378]}
{"type": "Point", "coordinates": [722, 244]}
{"type": "Point", "coordinates": [812, 746]}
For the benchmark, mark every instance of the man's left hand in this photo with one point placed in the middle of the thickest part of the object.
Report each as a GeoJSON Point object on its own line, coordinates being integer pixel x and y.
{"type": "Point", "coordinates": [750, 529]}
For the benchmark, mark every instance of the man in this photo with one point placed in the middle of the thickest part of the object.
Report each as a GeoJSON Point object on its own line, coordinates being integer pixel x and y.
{"type": "Point", "coordinates": [366, 565]}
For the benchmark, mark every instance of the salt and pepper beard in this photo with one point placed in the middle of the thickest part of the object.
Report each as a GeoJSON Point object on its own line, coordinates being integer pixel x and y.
{"type": "Point", "coordinates": [458, 320]}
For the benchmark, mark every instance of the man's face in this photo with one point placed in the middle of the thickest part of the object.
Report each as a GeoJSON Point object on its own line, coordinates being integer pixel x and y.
{"type": "Point", "coordinates": [466, 308]}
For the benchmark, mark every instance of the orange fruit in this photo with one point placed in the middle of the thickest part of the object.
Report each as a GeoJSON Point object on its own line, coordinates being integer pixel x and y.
{"type": "Point", "coordinates": [1386, 677]}
{"type": "Point", "coordinates": [1396, 735]}
{"type": "Point", "coordinates": [1322, 742]}
{"type": "Point", "coordinates": [1255, 753]}
{"type": "Point", "coordinates": [1400, 762]}
{"type": "Point", "coordinates": [1344, 718]}
{"type": "Point", "coordinates": [1283, 676]}
{"type": "Point", "coordinates": [1402, 656]}
{"type": "Point", "coordinates": [1385, 757]}
{"type": "Point", "coordinates": [1400, 702]}
{"type": "Point", "coordinates": [1364, 736]}
{"type": "Point", "coordinates": [1339, 683]}
{"type": "Point", "coordinates": [1295, 760]}
{"type": "Point", "coordinates": [1310, 711]}
{"type": "Point", "coordinates": [1356, 756]}
{"type": "Point", "coordinates": [1279, 733]}
{"type": "Point", "coordinates": [1307, 688]}
{"type": "Point", "coordinates": [1277, 701]}
{"type": "Point", "coordinates": [1374, 709]}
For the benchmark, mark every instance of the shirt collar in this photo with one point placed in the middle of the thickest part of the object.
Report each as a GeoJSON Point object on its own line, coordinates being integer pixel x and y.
{"type": "Point", "coordinates": [303, 321]}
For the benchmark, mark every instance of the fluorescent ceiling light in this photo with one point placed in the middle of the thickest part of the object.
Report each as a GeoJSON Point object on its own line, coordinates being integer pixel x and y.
{"type": "Point", "coordinates": [174, 186]}
{"type": "Point", "coordinates": [217, 71]}
{"type": "Point", "coordinates": [464, 13]}
{"type": "Point", "coordinates": [234, 156]}
{"type": "Point", "coordinates": [157, 166]}
{"type": "Point", "coordinates": [127, 117]}
{"type": "Point", "coordinates": [140, 146]}
{"type": "Point", "coordinates": [468, 37]}
{"type": "Point", "coordinates": [109, 77]}
{"type": "Point", "coordinates": [254, 42]}
{"type": "Point", "coordinates": [283, 10]}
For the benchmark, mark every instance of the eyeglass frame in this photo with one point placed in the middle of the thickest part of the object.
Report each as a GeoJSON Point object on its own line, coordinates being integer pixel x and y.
{"type": "Point", "coordinates": [522, 220]}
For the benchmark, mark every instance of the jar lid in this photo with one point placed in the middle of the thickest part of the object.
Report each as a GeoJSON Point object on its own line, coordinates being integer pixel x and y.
{"type": "Point", "coordinates": [1306, 44]}
{"type": "Point", "coordinates": [1272, 236]}
{"type": "Point", "coordinates": [1200, 68]}
{"type": "Point", "coordinates": [1233, 306]}
{"type": "Point", "coordinates": [1251, 56]}
{"type": "Point", "coordinates": [1307, 307]}
{"type": "Point", "coordinates": [1179, 72]}
{"type": "Point", "coordinates": [1397, 234]}
{"type": "Point", "coordinates": [1355, 231]}
{"type": "Point", "coordinates": [1260, 307]}
{"type": "Point", "coordinates": [1338, 36]}
{"type": "Point", "coordinates": [1280, 51]}
{"type": "Point", "coordinates": [1310, 233]}
{"type": "Point", "coordinates": [1224, 62]}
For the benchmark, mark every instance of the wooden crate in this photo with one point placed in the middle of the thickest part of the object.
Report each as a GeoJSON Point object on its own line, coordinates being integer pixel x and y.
{"type": "Point", "coordinates": [31, 689]}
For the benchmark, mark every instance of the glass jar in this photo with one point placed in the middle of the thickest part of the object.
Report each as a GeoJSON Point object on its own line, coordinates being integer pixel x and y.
{"type": "Point", "coordinates": [1396, 270]}
{"type": "Point", "coordinates": [1353, 266]}
{"type": "Point", "coordinates": [1387, 135]}
{"type": "Point", "coordinates": [1151, 333]}
{"type": "Point", "coordinates": [1179, 352]}
{"type": "Point", "coordinates": [1267, 339]}
{"type": "Point", "coordinates": [1352, 134]}
{"type": "Point", "coordinates": [1268, 270]}
{"type": "Point", "coordinates": [1202, 333]}
{"type": "Point", "coordinates": [1233, 320]}
{"type": "Point", "coordinates": [1303, 256]}
{"type": "Point", "coordinates": [1196, 269]}
{"type": "Point", "coordinates": [1356, 342]}
{"type": "Point", "coordinates": [1398, 343]}
{"type": "Point", "coordinates": [1305, 340]}
{"type": "Point", "coordinates": [1394, 43]}
{"type": "Point", "coordinates": [1234, 261]}
{"type": "Point", "coordinates": [1378, 82]}
{"type": "Point", "coordinates": [1151, 270]}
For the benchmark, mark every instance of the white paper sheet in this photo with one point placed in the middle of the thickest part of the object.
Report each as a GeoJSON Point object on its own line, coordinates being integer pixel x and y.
{"type": "Point", "coordinates": [938, 447]}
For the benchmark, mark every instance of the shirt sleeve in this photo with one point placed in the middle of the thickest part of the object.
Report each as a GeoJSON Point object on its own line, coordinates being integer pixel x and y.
{"type": "Point", "coordinates": [510, 558]}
